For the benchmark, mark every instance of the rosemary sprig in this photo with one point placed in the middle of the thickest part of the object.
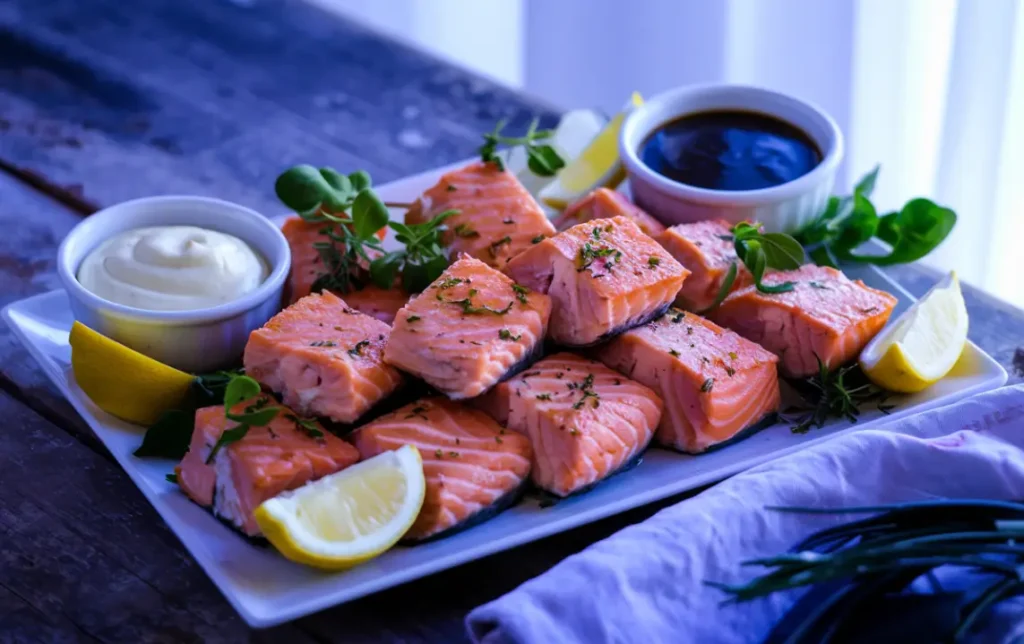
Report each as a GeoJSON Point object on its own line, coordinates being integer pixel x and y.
{"type": "Point", "coordinates": [882, 558]}
{"type": "Point", "coordinates": [541, 158]}
{"type": "Point", "coordinates": [834, 394]}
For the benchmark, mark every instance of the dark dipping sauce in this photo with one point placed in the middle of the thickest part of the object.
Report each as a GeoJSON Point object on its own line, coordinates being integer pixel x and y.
{"type": "Point", "coordinates": [730, 150]}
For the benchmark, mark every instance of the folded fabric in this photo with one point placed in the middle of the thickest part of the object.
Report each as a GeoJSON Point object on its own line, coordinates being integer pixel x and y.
{"type": "Point", "coordinates": [646, 583]}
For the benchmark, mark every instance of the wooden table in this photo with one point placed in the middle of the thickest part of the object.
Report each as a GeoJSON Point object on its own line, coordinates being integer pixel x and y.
{"type": "Point", "coordinates": [107, 100]}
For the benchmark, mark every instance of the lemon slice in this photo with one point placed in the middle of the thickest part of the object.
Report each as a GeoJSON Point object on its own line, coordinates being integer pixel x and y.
{"type": "Point", "coordinates": [597, 166]}
{"type": "Point", "coordinates": [124, 382]}
{"type": "Point", "coordinates": [350, 516]}
{"type": "Point", "coordinates": [923, 344]}
{"type": "Point", "coordinates": [575, 131]}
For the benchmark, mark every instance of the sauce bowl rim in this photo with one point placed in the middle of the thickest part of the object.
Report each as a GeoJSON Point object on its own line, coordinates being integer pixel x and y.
{"type": "Point", "coordinates": [640, 124]}
{"type": "Point", "coordinates": [72, 252]}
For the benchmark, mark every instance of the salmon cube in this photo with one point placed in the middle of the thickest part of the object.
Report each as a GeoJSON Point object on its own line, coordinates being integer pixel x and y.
{"type": "Point", "coordinates": [716, 385]}
{"type": "Point", "coordinates": [604, 277]}
{"type": "Point", "coordinates": [473, 467]}
{"type": "Point", "coordinates": [285, 454]}
{"type": "Point", "coordinates": [585, 421]}
{"type": "Point", "coordinates": [604, 203]}
{"type": "Point", "coordinates": [469, 330]}
{"type": "Point", "coordinates": [324, 358]}
{"type": "Point", "coordinates": [706, 249]}
{"type": "Point", "coordinates": [497, 218]}
{"type": "Point", "coordinates": [826, 317]}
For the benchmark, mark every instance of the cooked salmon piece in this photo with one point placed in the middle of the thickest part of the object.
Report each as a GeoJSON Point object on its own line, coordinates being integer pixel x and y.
{"type": "Point", "coordinates": [469, 330]}
{"type": "Point", "coordinates": [497, 217]}
{"type": "Point", "coordinates": [604, 276]}
{"type": "Point", "coordinates": [715, 384]}
{"type": "Point", "coordinates": [604, 203]}
{"type": "Point", "coordinates": [324, 358]}
{"type": "Point", "coordinates": [307, 267]}
{"type": "Point", "coordinates": [283, 455]}
{"type": "Point", "coordinates": [826, 316]}
{"type": "Point", "coordinates": [585, 421]}
{"type": "Point", "coordinates": [706, 249]}
{"type": "Point", "coordinates": [306, 263]}
{"type": "Point", "coordinates": [474, 468]}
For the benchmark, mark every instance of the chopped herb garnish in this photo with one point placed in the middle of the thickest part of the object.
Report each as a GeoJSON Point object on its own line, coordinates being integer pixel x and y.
{"type": "Point", "coordinates": [586, 388]}
{"type": "Point", "coordinates": [171, 478]}
{"type": "Point", "coordinates": [588, 254]}
{"type": "Point", "coordinates": [505, 334]}
{"type": "Point", "coordinates": [708, 385]}
{"type": "Point", "coordinates": [451, 188]}
{"type": "Point", "coordinates": [473, 292]}
{"type": "Point", "coordinates": [508, 222]}
{"type": "Point", "coordinates": [538, 239]}
{"type": "Point", "coordinates": [521, 292]}
{"type": "Point", "coordinates": [465, 231]}
{"type": "Point", "coordinates": [732, 355]}
{"type": "Point", "coordinates": [689, 330]}
{"type": "Point", "coordinates": [448, 283]}
{"type": "Point", "coordinates": [493, 248]}
{"type": "Point", "coordinates": [417, 412]}
{"type": "Point", "coordinates": [497, 439]}
{"type": "Point", "coordinates": [358, 349]}
{"type": "Point", "coordinates": [323, 343]}
{"type": "Point", "coordinates": [617, 381]}
{"type": "Point", "coordinates": [678, 317]}
{"type": "Point", "coordinates": [438, 453]}
{"type": "Point", "coordinates": [819, 285]}
{"type": "Point", "coordinates": [596, 232]}
{"type": "Point", "coordinates": [653, 262]}
{"type": "Point", "coordinates": [544, 397]}
{"type": "Point", "coordinates": [674, 353]}
{"type": "Point", "coordinates": [729, 370]}
{"type": "Point", "coordinates": [308, 425]}
{"type": "Point", "coordinates": [574, 431]}
{"type": "Point", "coordinates": [870, 309]}
{"type": "Point", "coordinates": [413, 318]}
{"type": "Point", "coordinates": [469, 309]}
{"type": "Point", "coordinates": [453, 454]}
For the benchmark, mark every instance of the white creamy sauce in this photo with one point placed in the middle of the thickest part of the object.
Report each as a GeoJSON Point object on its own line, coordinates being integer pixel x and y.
{"type": "Point", "coordinates": [172, 268]}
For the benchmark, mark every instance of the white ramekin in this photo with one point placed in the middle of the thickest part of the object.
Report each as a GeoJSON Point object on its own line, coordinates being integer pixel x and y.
{"type": "Point", "coordinates": [787, 207]}
{"type": "Point", "coordinates": [196, 341]}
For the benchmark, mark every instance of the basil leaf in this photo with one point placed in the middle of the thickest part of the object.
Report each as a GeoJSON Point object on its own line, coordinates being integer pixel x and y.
{"type": "Point", "coordinates": [857, 228]}
{"type": "Point", "coordinates": [419, 276]}
{"type": "Point", "coordinates": [208, 389]}
{"type": "Point", "coordinates": [782, 251]}
{"type": "Point", "coordinates": [866, 185]}
{"type": "Point", "coordinates": [756, 261]}
{"type": "Point", "coordinates": [302, 188]}
{"type": "Point", "coordinates": [240, 388]}
{"type": "Point", "coordinates": [912, 232]}
{"type": "Point", "coordinates": [384, 268]}
{"type": "Point", "coordinates": [369, 214]}
{"type": "Point", "coordinates": [169, 436]}
{"type": "Point", "coordinates": [339, 182]}
{"type": "Point", "coordinates": [543, 160]}
{"type": "Point", "coordinates": [359, 180]}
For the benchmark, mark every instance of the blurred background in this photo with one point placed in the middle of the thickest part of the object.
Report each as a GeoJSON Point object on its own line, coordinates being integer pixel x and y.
{"type": "Point", "coordinates": [933, 90]}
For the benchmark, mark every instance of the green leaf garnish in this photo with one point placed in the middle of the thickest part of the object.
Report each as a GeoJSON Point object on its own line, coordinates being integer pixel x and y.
{"type": "Point", "coordinates": [542, 159]}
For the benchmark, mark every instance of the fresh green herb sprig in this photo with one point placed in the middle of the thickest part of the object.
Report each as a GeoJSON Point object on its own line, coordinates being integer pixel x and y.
{"type": "Point", "coordinates": [353, 216]}
{"type": "Point", "coordinates": [848, 222]}
{"type": "Point", "coordinates": [541, 158]}
{"type": "Point", "coordinates": [760, 251]}
{"type": "Point", "coordinates": [892, 557]}
{"type": "Point", "coordinates": [258, 414]}
{"type": "Point", "coordinates": [836, 393]}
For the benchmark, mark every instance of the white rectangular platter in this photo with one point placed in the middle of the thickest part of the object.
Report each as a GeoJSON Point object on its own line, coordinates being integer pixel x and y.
{"type": "Point", "coordinates": [266, 589]}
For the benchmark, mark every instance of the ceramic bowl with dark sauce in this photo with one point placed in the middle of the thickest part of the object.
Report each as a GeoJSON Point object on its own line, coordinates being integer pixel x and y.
{"type": "Point", "coordinates": [731, 152]}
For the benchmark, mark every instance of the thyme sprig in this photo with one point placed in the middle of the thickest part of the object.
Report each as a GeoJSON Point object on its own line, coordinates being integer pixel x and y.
{"type": "Point", "coordinates": [838, 393]}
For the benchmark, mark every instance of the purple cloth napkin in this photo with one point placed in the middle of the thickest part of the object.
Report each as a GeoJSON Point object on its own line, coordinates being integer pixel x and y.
{"type": "Point", "coordinates": [646, 583]}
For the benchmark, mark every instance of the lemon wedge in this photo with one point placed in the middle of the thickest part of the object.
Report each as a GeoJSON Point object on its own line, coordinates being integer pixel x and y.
{"type": "Point", "coordinates": [348, 517]}
{"type": "Point", "coordinates": [597, 166]}
{"type": "Point", "coordinates": [575, 131]}
{"type": "Point", "coordinates": [923, 344]}
{"type": "Point", "coordinates": [123, 382]}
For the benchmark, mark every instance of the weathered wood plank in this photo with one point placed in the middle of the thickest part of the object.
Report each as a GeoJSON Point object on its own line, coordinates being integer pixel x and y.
{"type": "Point", "coordinates": [83, 547]}
{"type": "Point", "coordinates": [218, 97]}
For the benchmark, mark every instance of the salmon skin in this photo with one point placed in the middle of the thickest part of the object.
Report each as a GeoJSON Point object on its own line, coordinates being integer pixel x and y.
{"type": "Point", "coordinates": [604, 277]}
{"type": "Point", "coordinates": [604, 203]}
{"type": "Point", "coordinates": [474, 468]}
{"type": "Point", "coordinates": [469, 329]}
{"type": "Point", "coordinates": [706, 249]}
{"type": "Point", "coordinates": [715, 384]}
{"type": "Point", "coordinates": [283, 455]}
{"type": "Point", "coordinates": [585, 421]}
{"type": "Point", "coordinates": [324, 358]}
{"type": "Point", "coordinates": [307, 266]}
{"type": "Point", "coordinates": [497, 217]}
{"type": "Point", "coordinates": [826, 316]}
